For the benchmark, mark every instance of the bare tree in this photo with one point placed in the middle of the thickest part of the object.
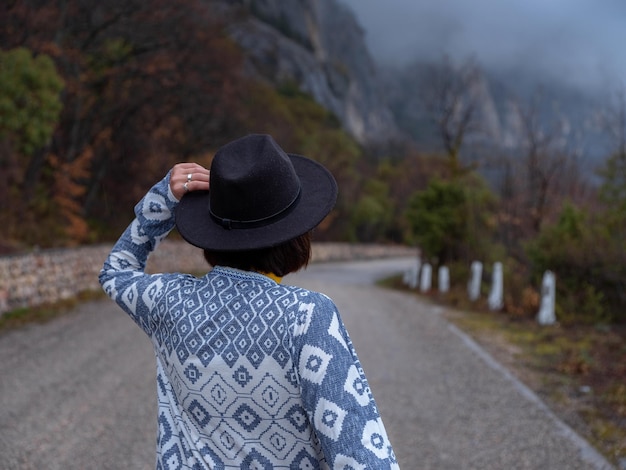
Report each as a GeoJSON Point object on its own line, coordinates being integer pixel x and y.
{"type": "Point", "coordinates": [544, 168]}
{"type": "Point", "coordinates": [613, 122]}
{"type": "Point", "coordinates": [450, 97]}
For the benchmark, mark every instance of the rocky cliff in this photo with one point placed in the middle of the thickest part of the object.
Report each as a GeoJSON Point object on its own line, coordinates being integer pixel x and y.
{"type": "Point", "coordinates": [319, 45]}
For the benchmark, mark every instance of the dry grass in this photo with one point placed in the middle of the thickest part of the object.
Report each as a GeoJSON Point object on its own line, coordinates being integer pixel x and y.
{"type": "Point", "coordinates": [579, 371]}
{"type": "Point", "coordinates": [43, 313]}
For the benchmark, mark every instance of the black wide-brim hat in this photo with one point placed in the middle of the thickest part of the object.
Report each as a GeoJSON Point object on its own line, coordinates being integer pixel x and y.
{"type": "Point", "coordinates": [258, 197]}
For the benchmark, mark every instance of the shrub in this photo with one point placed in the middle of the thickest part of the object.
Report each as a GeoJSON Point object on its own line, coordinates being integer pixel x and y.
{"type": "Point", "coordinates": [453, 220]}
{"type": "Point", "coordinates": [589, 264]}
{"type": "Point", "coordinates": [436, 218]}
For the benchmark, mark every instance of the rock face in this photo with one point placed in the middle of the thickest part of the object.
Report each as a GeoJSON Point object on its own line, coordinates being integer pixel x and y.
{"type": "Point", "coordinates": [318, 45]}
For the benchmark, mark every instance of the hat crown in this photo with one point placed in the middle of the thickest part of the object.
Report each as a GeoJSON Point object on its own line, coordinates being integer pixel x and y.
{"type": "Point", "coordinates": [259, 197]}
{"type": "Point", "coordinates": [252, 179]}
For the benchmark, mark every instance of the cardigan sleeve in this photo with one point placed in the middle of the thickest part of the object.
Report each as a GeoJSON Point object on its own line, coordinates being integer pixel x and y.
{"type": "Point", "coordinates": [335, 391]}
{"type": "Point", "coordinates": [123, 275]}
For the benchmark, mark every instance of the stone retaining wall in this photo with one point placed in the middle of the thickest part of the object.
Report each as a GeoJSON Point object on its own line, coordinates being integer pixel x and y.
{"type": "Point", "coordinates": [49, 276]}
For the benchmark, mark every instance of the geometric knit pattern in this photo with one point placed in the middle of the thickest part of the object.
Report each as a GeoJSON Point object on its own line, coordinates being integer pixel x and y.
{"type": "Point", "coordinates": [251, 374]}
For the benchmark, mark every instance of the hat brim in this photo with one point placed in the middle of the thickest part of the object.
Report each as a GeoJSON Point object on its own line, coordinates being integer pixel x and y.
{"type": "Point", "coordinates": [318, 194]}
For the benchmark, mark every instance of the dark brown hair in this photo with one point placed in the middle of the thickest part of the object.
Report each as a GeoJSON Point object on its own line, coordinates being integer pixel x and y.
{"type": "Point", "coordinates": [280, 260]}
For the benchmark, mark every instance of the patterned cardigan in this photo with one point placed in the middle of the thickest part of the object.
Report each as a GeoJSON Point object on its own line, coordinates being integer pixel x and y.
{"type": "Point", "coordinates": [251, 374]}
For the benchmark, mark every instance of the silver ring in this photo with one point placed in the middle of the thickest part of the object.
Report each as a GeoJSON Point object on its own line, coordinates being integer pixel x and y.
{"type": "Point", "coordinates": [189, 177]}
{"type": "Point", "coordinates": [186, 187]}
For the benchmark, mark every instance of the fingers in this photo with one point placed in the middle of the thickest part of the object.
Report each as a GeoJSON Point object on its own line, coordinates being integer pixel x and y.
{"type": "Point", "coordinates": [187, 177]}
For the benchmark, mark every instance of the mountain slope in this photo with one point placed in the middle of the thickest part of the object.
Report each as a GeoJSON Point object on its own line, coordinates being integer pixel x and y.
{"type": "Point", "coordinates": [319, 46]}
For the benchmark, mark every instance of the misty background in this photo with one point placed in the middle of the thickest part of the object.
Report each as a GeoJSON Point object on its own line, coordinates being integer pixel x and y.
{"type": "Point", "coordinates": [575, 42]}
{"type": "Point", "coordinates": [557, 62]}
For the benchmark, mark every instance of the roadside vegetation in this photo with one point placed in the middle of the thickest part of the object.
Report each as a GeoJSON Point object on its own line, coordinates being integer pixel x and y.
{"type": "Point", "coordinates": [578, 370]}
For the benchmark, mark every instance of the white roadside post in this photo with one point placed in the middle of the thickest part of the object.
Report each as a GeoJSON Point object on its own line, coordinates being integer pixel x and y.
{"type": "Point", "coordinates": [426, 278]}
{"type": "Point", "coordinates": [414, 273]}
{"type": "Point", "coordinates": [444, 279]}
{"type": "Point", "coordinates": [406, 277]}
{"type": "Point", "coordinates": [495, 300]}
{"type": "Point", "coordinates": [473, 287]}
{"type": "Point", "coordinates": [546, 315]}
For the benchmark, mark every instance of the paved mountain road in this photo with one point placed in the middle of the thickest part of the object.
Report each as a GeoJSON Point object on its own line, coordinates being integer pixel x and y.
{"type": "Point", "coordinates": [78, 392]}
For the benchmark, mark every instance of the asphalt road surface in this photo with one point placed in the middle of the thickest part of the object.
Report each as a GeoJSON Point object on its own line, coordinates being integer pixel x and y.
{"type": "Point", "coordinates": [79, 392]}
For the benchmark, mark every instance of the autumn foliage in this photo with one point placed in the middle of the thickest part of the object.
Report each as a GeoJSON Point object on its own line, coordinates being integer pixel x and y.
{"type": "Point", "coordinates": [145, 84]}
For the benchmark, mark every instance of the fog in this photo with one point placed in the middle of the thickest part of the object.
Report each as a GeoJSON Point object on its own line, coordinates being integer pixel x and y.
{"type": "Point", "coordinates": [580, 42]}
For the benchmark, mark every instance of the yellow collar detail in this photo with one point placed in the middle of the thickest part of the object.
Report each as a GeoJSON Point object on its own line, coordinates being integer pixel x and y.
{"type": "Point", "coordinates": [273, 277]}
